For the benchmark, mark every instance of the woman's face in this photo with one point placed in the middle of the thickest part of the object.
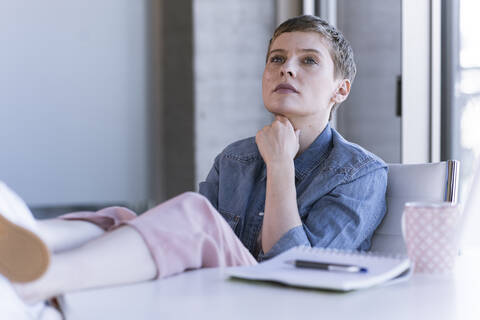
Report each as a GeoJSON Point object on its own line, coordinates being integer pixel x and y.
{"type": "Point", "coordinates": [299, 80]}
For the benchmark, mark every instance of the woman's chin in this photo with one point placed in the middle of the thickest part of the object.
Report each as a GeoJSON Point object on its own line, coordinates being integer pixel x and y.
{"type": "Point", "coordinates": [284, 111]}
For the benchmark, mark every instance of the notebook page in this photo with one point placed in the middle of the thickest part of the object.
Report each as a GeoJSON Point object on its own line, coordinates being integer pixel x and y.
{"type": "Point", "coordinates": [381, 268]}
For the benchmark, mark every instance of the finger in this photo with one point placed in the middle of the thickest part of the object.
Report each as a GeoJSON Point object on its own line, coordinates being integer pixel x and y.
{"type": "Point", "coordinates": [287, 124]}
{"type": "Point", "coordinates": [275, 123]}
{"type": "Point", "coordinates": [281, 118]}
{"type": "Point", "coordinates": [297, 134]}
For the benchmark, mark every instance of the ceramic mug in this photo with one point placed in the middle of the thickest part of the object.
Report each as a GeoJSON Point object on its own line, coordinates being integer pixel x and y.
{"type": "Point", "coordinates": [431, 234]}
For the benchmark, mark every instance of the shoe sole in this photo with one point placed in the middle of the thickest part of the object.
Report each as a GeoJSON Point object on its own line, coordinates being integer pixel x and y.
{"type": "Point", "coordinates": [24, 256]}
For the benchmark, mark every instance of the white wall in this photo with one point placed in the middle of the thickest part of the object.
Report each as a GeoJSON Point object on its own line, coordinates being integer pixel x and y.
{"type": "Point", "coordinates": [230, 44]}
{"type": "Point", "coordinates": [368, 117]}
{"type": "Point", "coordinates": [73, 100]}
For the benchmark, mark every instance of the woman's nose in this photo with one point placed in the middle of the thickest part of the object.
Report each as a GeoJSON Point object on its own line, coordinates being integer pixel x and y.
{"type": "Point", "coordinates": [288, 70]}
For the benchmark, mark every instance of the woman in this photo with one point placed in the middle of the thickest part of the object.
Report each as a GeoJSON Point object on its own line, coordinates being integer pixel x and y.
{"type": "Point", "coordinates": [298, 182]}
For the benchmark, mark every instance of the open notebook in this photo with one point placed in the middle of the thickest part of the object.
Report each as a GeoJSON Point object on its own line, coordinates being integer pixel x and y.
{"type": "Point", "coordinates": [381, 269]}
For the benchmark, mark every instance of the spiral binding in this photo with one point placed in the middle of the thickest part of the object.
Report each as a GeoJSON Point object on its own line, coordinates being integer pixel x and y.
{"type": "Point", "coordinates": [356, 253]}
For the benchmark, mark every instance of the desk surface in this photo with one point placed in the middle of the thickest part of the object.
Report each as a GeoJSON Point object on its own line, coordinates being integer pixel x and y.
{"type": "Point", "coordinates": [207, 294]}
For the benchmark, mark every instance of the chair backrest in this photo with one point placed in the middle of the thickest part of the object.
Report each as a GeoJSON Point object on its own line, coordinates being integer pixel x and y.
{"type": "Point", "coordinates": [413, 182]}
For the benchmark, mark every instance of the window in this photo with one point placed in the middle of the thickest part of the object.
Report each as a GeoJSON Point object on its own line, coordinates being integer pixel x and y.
{"type": "Point", "coordinates": [462, 84]}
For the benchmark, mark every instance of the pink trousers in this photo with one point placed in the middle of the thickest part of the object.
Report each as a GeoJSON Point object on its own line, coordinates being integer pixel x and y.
{"type": "Point", "coordinates": [183, 233]}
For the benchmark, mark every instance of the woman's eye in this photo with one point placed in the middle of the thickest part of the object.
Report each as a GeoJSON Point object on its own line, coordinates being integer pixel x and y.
{"type": "Point", "coordinates": [277, 59]}
{"type": "Point", "coordinates": [309, 60]}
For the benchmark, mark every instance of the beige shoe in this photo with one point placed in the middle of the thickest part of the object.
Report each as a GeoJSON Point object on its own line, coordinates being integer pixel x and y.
{"type": "Point", "coordinates": [24, 256]}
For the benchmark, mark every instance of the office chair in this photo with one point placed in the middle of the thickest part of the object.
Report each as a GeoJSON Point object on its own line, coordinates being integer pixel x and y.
{"type": "Point", "coordinates": [424, 182]}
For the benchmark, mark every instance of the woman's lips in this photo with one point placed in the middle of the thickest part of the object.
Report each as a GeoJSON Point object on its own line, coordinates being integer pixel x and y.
{"type": "Point", "coordinates": [285, 88]}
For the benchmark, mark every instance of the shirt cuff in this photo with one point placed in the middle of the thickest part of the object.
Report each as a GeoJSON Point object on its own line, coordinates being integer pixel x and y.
{"type": "Point", "coordinates": [292, 238]}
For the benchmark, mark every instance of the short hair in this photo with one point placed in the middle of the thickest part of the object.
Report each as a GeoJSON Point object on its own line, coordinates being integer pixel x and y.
{"type": "Point", "coordinates": [340, 49]}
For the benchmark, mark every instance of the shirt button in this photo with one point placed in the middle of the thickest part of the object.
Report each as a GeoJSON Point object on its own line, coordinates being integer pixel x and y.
{"type": "Point", "coordinates": [261, 213]}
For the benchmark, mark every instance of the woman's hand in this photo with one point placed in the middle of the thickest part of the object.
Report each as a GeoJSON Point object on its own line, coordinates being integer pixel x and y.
{"type": "Point", "coordinates": [278, 142]}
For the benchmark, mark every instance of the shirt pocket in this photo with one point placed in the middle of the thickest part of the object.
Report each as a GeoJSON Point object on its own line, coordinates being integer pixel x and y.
{"type": "Point", "coordinates": [231, 218]}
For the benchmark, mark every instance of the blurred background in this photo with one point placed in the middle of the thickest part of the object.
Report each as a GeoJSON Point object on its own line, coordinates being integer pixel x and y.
{"type": "Point", "coordinates": [128, 102]}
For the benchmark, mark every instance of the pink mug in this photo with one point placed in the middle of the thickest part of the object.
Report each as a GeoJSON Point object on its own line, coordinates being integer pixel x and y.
{"type": "Point", "coordinates": [430, 231]}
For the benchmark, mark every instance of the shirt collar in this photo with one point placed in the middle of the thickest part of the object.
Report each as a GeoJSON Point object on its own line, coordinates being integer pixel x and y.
{"type": "Point", "coordinates": [309, 159]}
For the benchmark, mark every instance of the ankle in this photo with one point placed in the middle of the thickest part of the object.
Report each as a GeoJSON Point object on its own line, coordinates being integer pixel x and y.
{"type": "Point", "coordinates": [47, 286]}
{"type": "Point", "coordinates": [61, 235]}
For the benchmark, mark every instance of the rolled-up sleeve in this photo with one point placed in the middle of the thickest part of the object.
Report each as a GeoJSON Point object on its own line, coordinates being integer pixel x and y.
{"type": "Point", "coordinates": [209, 187]}
{"type": "Point", "coordinates": [345, 218]}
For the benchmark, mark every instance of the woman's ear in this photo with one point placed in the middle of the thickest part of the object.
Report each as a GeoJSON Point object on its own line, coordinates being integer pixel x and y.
{"type": "Point", "coordinates": [342, 92]}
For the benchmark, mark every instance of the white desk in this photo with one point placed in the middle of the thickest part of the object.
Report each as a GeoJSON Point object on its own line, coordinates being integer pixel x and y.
{"type": "Point", "coordinates": [205, 294]}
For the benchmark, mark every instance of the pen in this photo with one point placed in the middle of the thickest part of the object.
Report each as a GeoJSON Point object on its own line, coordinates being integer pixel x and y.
{"type": "Point", "coordinates": [327, 266]}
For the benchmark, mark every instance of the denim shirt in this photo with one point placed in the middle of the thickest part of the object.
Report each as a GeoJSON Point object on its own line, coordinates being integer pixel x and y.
{"type": "Point", "coordinates": [340, 194]}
